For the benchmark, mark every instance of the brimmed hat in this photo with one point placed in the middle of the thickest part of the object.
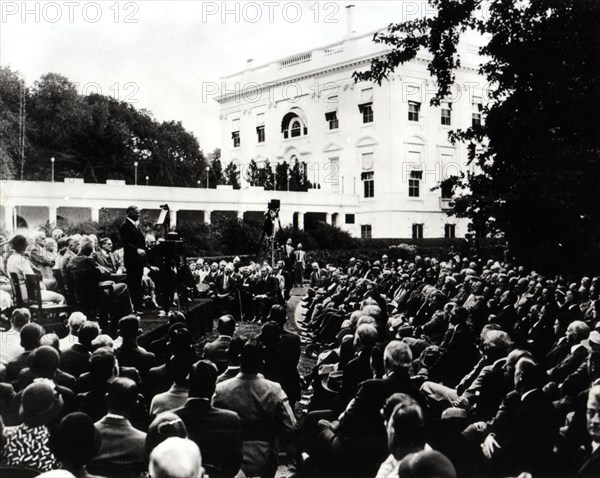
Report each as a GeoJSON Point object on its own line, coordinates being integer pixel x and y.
{"type": "Point", "coordinates": [40, 403]}
{"type": "Point", "coordinates": [593, 341]}
{"type": "Point", "coordinates": [333, 382]}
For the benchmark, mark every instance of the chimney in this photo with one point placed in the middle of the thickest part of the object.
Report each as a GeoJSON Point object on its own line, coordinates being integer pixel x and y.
{"type": "Point", "coordinates": [349, 25]}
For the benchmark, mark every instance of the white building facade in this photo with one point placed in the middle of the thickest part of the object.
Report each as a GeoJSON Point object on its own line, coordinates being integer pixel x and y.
{"type": "Point", "coordinates": [384, 145]}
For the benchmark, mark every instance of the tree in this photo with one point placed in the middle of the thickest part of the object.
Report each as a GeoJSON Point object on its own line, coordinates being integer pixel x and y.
{"type": "Point", "coordinates": [216, 173]}
{"type": "Point", "coordinates": [89, 176]}
{"type": "Point", "coordinates": [536, 173]}
{"type": "Point", "coordinates": [232, 175]}
{"type": "Point", "coordinates": [281, 174]}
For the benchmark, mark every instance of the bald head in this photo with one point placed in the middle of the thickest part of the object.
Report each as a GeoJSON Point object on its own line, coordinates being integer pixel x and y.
{"type": "Point", "coordinates": [176, 458]}
{"type": "Point", "coordinates": [427, 464]}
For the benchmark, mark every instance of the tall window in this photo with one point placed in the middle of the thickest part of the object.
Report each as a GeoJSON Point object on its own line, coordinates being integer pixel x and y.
{"type": "Point", "coordinates": [235, 136]}
{"type": "Point", "coordinates": [414, 182]}
{"type": "Point", "coordinates": [446, 118]}
{"type": "Point", "coordinates": [235, 132]}
{"type": "Point", "coordinates": [477, 111]}
{"type": "Point", "coordinates": [260, 127]}
{"type": "Point", "coordinates": [413, 110]}
{"type": "Point", "coordinates": [366, 105]}
{"type": "Point", "coordinates": [368, 184]}
{"type": "Point", "coordinates": [449, 231]}
{"type": "Point", "coordinates": [446, 190]}
{"type": "Point", "coordinates": [332, 119]}
{"type": "Point", "coordinates": [417, 231]}
{"type": "Point", "coordinates": [260, 134]}
{"type": "Point", "coordinates": [367, 176]}
{"type": "Point", "coordinates": [366, 231]}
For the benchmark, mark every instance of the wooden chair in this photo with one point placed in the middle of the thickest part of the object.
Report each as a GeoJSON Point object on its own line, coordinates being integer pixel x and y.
{"type": "Point", "coordinates": [38, 308]}
{"type": "Point", "coordinates": [16, 287]}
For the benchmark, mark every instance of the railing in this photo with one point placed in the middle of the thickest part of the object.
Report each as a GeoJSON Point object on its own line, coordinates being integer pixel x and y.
{"type": "Point", "coordinates": [295, 60]}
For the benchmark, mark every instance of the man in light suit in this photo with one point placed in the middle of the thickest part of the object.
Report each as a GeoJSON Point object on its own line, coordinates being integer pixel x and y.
{"type": "Point", "coordinates": [216, 351]}
{"type": "Point", "coordinates": [106, 257]}
{"type": "Point", "coordinates": [122, 444]}
{"type": "Point", "coordinates": [134, 254]}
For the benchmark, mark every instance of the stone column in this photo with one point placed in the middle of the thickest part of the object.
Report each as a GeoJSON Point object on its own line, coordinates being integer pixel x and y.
{"type": "Point", "coordinates": [9, 218]}
{"type": "Point", "coordinates": [300, 220]}
{"type": "Point", "coordinates": [96, 214]}
{"type": "Point", "coordinates": [173, 218]}
{"type": "Point", "coordinates": [53, 214]}
{"type": "Point", "coordinates": [240, 215]}
{"type": "Point", "coordinates": [207, 217]}
{"type": "Point", "coordinates": [328, 218]}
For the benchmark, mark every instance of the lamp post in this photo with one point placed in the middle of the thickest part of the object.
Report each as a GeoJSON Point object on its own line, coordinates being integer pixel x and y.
{"type": "Point", "coordinates": [198, 183]}
{"type": "Point", "coordinates": [135, 166]}
{"type": "Point", "coordinates": [207, 170]}
{"type": "Point", "coordinates": [288, 181]}
{"type": "Point", "coordinates": [147, 178]}
{"type": "Point", "coordinates": [52, 163]}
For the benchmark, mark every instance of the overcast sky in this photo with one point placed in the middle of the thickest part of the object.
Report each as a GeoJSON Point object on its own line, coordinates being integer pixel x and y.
{"type": "Point", "coordinates": [158, 53]}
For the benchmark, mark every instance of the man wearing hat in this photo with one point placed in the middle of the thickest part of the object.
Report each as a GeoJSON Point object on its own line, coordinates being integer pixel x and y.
{"type": "Point", "coordinates": [28, 444]}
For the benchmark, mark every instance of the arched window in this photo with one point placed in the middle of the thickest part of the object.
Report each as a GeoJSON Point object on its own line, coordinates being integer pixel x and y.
{"type": "Point", "coordinates": [293, 125]}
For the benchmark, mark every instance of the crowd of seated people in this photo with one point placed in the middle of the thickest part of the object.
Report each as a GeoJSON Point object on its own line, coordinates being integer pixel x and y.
{"type": "Point", "coordinates": [424, 368]}
{"type": "Point", "coordinates": [244, 291]}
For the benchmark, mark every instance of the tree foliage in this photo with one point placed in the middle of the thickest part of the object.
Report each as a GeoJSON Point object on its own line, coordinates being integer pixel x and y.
{"type": "Point", "coordinates": [232, 175]}
{"type": "Point", "coordinates": [535, 176]}
{"type": "Point", "coordinates": [107, 134]}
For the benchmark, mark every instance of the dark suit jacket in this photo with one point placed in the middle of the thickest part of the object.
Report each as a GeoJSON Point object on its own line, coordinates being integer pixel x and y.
{"type": "Point", "coordinates": [85, 275]}
{"type": "Point", "coordinates": [281, 365]}
{"type": "Point", "coordinates": [526, 430]}
{"type": "Point", "coordinates": [76, 360]}
{"type": "Point", "coordinates": [457, 356]}
{"type": "Point", "coordinates": [266, 286]}
{"type": "Point", "coordinates": [216, 352]}
{"type": "Point", "coordinates": [157, 380]}
{"type": "Point", "coordinates": [136, 357]}
{"type": "Point", "coordinates": [122, 444]}
{"type": "Point", "coordinates": [217, 433]}
{"type": "Point", "coordinates": [232, 286]}
{"type": "Point", "coordinates": [132, 239]}
{"type": "Point", "coordinates": [591, 466]}
{"type": "Point", "coordinates": [362, 427]}
{"type": "Point", "coordinates": [356, 371]}
{"type": "Point", "coordinates": [14, 367]}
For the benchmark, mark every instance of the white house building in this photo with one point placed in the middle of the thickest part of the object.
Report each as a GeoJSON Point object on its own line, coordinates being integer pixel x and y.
{"type": "Point", "coordinates": [385, 144]}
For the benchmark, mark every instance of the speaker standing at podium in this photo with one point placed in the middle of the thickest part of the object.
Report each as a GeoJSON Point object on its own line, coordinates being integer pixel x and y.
{"type": "Point", "coordinates": [134, 254]}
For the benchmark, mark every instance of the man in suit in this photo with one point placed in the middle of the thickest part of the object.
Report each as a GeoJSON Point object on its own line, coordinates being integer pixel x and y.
{"type": "Point", "coordinates": [523, 432]}
{"type": "Point", "coordinates": [264, 293]}
{"type": "Point", "coordinates": [216, 431]}
{"type": "Point", "coordinates": [30, 336]}
{"type": "Point", "coordinates": [264, 411]}
{"type": "Point", "coordinates": [288, 255]}
{"type": "Point", "coordinates": [87, 276]}
{"type": "Point", "coordinates": [129, 353]}
{"type": "Point", "coordinates": [360, 431]}
{"type": "Point", "coordinates": [122, 444]}
{"type": "Point", "coordinates": [106, 258]}
{"type": "Point", "coordinates": [216, 351]}
{"type": "Point", "coordinates": [225, 290]}
{"type": "Point", "coordinates": [75, 361]}
{"type": "Point", "coordinates": [134, 254]}
{"type": "Point", "coordinates": [591, 466]}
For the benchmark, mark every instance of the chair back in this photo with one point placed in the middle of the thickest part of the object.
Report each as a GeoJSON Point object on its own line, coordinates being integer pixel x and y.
{"type": "Point", "coordinates": [34, 290]}
{"type": "Point", "coordinates": [16, 287]}
{"type": "Point", "coordinates": [18, 471]}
